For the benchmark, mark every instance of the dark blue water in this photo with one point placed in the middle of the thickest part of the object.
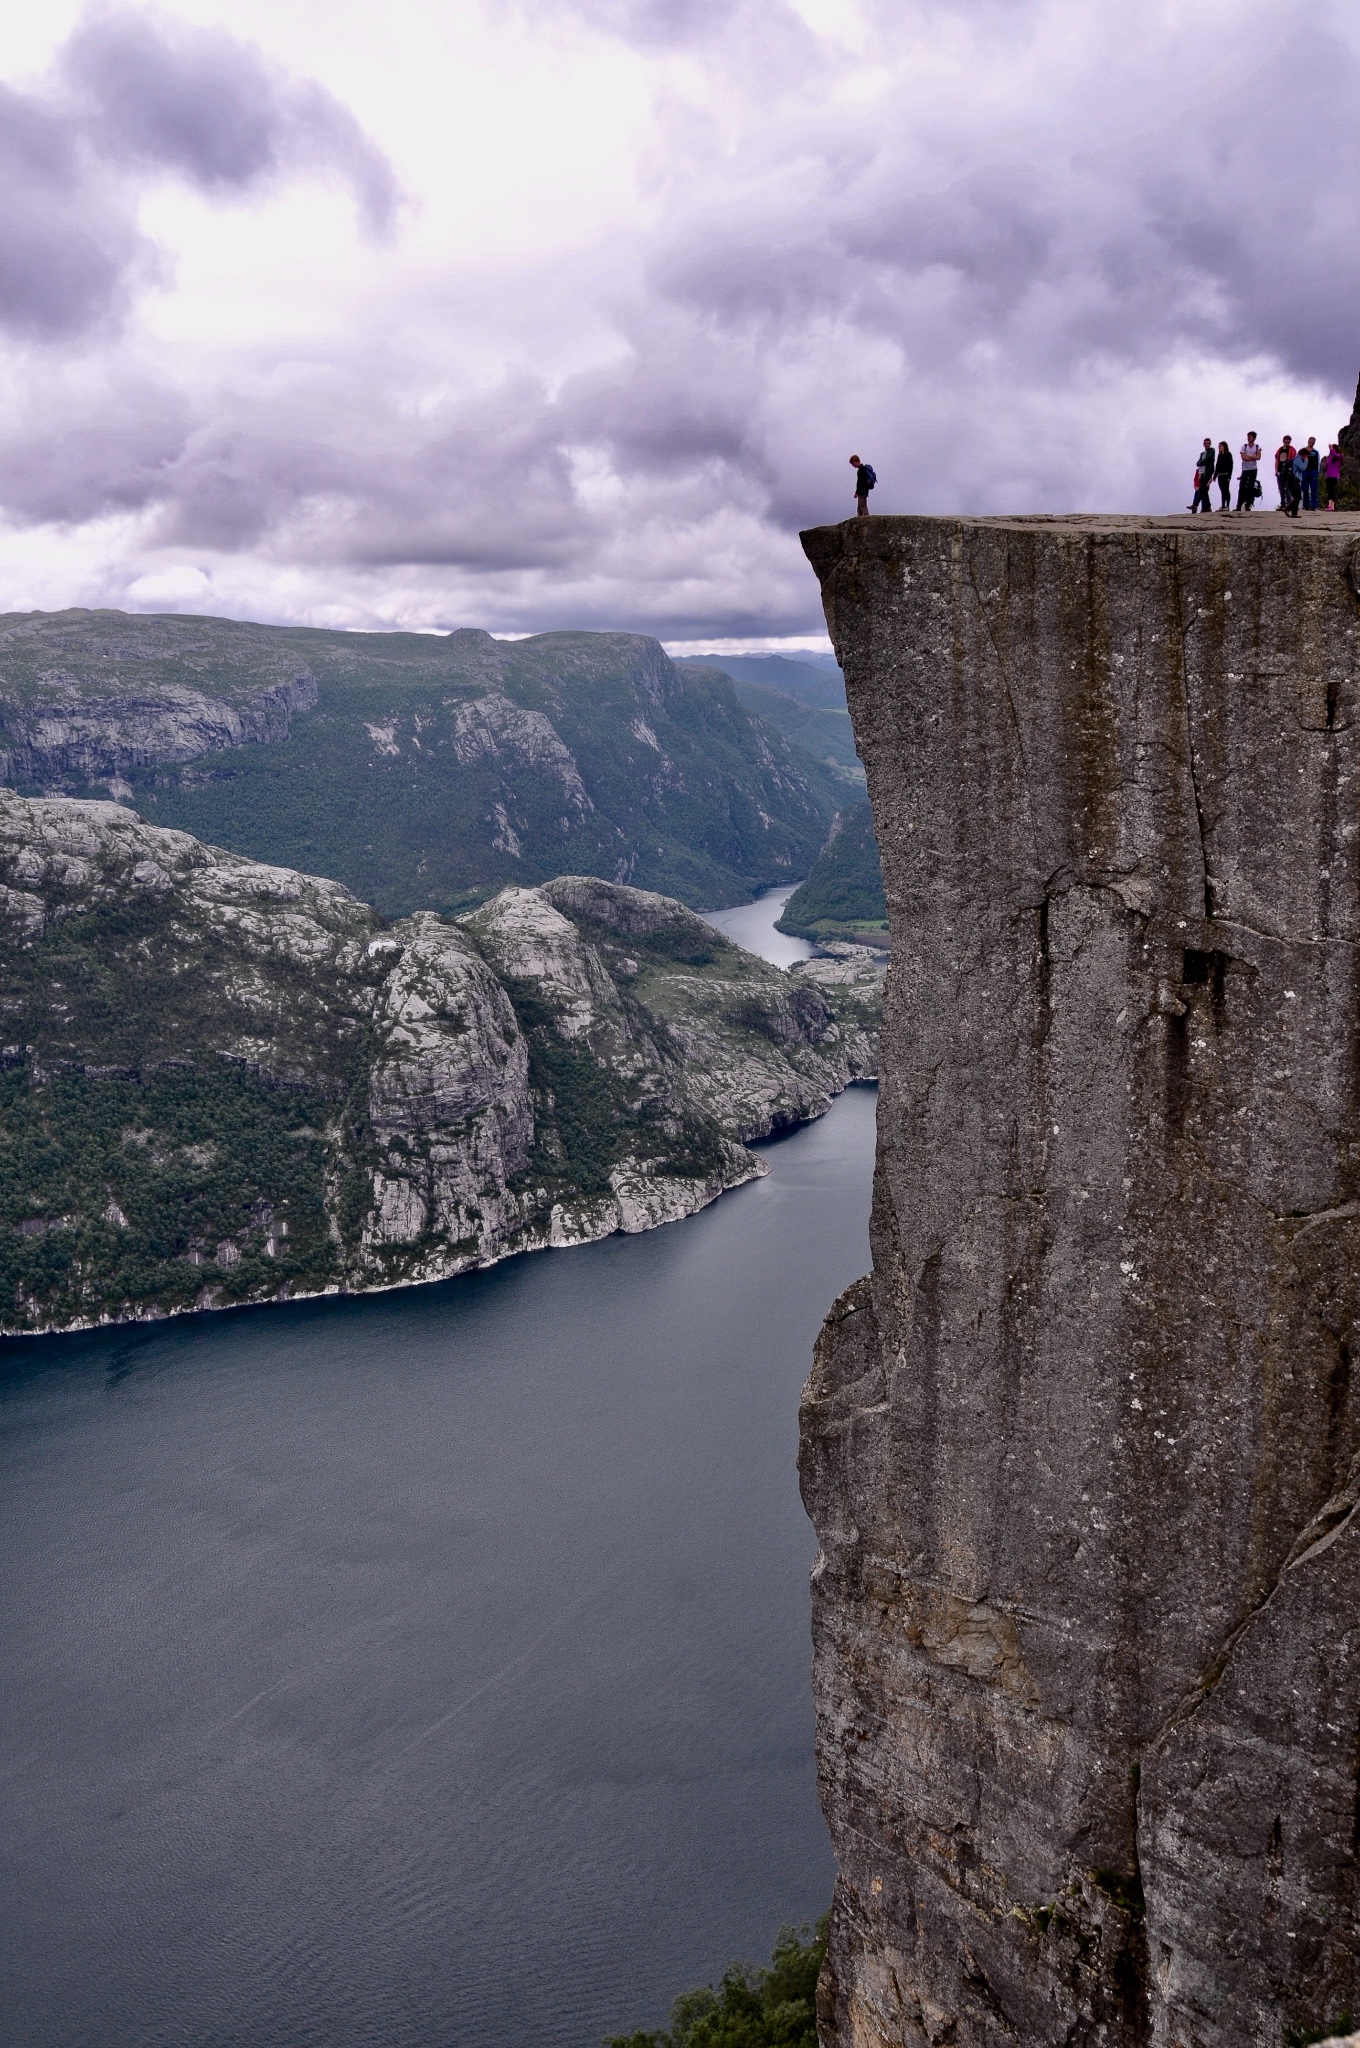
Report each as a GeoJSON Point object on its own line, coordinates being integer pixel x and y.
{"type": "Point", "coordinates": [427, 1669]}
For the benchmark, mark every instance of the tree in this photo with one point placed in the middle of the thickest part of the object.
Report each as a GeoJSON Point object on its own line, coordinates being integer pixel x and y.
{"type": "Point", "coordinates": [770, 2008]}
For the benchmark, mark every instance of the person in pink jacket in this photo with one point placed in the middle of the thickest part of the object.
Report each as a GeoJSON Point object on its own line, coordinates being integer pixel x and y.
{"type": "Point", "coordinates": [1331, 475]}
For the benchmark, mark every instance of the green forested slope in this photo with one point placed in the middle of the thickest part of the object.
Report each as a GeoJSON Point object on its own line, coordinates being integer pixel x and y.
{"type": "Point", "coordinates": [811, 679]}
{"type": "Point", "coordinates": [843, 895]}
{"type": "Point", "coordinates": [821, 730]}
{"type": "Point", "coordinates": [422, 770]}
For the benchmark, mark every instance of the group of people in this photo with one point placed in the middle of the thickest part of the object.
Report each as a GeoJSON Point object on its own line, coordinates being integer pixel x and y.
{"type": "Point", "coordinates": [1299, 473]}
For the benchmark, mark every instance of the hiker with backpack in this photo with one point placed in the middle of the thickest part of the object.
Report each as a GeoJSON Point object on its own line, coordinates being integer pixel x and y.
{"type": "Point", "coordinates": [864, 483]}
{"type": "Point", "coordinates": [1312, 464]}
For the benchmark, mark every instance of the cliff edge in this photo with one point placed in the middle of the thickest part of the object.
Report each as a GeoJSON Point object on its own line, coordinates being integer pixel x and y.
{"type": "Point", "coordinates": [1082, 1451]}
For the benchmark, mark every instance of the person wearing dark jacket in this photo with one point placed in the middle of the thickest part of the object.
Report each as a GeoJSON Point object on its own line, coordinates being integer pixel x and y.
{"type": "Point", "coordinates": [864, 483]}
{"type": "Point", "coordinates": [1204, 476]}
{"type": "Point", "coordinates": [1312, 466]}
{"type": "Point", "coordinates": [1223, 472]}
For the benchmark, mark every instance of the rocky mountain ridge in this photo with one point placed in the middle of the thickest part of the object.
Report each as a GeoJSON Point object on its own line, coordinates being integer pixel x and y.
{"type": "Point", "coordinates": [84, 705]}
{"type": "Point", "coordinates": [422, 770]}
{"type": "Point", "coordinates": [226, 1081]}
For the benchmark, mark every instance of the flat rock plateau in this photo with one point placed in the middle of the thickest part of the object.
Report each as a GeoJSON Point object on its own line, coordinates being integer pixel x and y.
{"type": "Point", "coordinates": [225, 1081]}
{"type": "Point", "coordinates": [1082, 1451]}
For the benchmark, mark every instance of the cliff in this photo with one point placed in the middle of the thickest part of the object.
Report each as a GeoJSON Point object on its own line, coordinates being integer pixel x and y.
{"type": "Point", "coordinates": [422, 770]}
{"type": "Point", "coordinates": [1082, 1451]}
{"type": "Point", "coordinates": [1348, 441]}
{"type": "Point", "coordinates": [222, 1081]}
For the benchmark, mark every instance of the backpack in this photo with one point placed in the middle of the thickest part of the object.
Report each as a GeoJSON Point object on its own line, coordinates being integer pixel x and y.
{"type": "Point", "coordinates": [864, 479]}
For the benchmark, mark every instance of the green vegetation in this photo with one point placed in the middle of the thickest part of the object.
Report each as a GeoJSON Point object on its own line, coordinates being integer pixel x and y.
{"type": "Point", "coordinates": [823, 731]}
{"type": "Point", "coordinates": [811, 678]}
{"type": "Point", "coordinates": [804, 702]}
{"type": "Point", "coordinates": [131, 1196]}
{"type": "Point", "coordinates": [224, 1082]}
{"type": "Point", "coordinates": [770, 2008]}
{"type": "Point", "coordinates": [843, 896]}
{"type": "Point", "coordinates": [433, 769]}
{"type": "Point", "coordinates": [586, 1120]}
{"type": "Point", "coordinates": [1307, 2037]}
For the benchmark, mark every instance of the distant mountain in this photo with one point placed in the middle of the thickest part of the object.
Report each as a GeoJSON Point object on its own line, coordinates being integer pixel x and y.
{"type": "Point", "coordinates": [843, 896]}
{"type": "Point", "coordinates": [424, 771]}
{"type": "Point", "coordinates": [226, 1082]}
{"type": "Point", "coordinates": [811, 678]}
{"type": "Point", "coordinates": [819, 730]}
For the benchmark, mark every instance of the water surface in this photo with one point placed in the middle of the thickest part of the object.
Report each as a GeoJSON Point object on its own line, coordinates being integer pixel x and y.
{"type": "Point", "coordinates": [752, 925]}
{"type": "Point", "coordinates": [430, 1668]}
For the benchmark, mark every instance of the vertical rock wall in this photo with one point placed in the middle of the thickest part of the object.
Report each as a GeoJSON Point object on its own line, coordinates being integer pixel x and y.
{"type": "Point", "coordinates": [1082, 1451]}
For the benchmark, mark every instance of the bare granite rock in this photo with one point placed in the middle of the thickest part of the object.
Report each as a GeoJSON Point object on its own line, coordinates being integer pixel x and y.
{"type": "Point", "coordinates": [223, 1081]}
{"type": "Point", "coordinates": [1083, 1451]}
{"type": "Point", "coordinates": [75, 704]}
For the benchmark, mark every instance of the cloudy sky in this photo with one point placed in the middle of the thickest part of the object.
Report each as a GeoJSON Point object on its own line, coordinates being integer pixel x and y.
{"type": "Point", "coordinates": [569, 312]}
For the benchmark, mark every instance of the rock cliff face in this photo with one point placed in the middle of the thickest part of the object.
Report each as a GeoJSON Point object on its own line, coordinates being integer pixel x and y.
{"type": "Point", "coordinates": [1348, 441]}
{"type": "Point", "coordinates": [1082, 1452]}
{"type": "Point", "coordinates": [95, 696]}
{"type": "Point", "coordinates": [222, 1081]}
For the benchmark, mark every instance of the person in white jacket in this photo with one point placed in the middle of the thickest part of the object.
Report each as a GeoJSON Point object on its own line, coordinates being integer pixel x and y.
{"type": "Point", "coordinates": [1247, 487]}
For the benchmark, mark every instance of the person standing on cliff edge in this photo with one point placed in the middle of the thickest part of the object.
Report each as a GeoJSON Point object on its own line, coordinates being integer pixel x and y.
{"type": "Point", "coordinates": [1248, 490]}
{"type": "Point", "coordinates": [864, 483]}
{"type": "Point", "coordinates": [1204, 476]}
{"type": "Point", "coordinates": [1331, 472]}
{"type": "Point", "coordinates": [1223, 469]}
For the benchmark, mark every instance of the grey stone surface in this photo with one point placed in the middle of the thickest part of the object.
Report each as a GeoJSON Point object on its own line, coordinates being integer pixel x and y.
{"type": "Point", "coordinates": [410, 1048]}
{"type": "Point", "coordinates": [1082, 1451]}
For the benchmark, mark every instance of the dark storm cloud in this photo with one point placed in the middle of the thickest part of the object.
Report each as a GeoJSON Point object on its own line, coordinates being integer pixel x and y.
{"type": "Point", "coordinates": [69, 249]}
{"type": "Point", "coordinates": [130, 100]}
{"type": "Point", "coordinates": [103, 444]}
{"type": "Point", "coordinates": [200, 103]}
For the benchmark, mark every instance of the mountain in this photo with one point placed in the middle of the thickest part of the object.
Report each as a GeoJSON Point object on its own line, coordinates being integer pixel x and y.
{"type": "Point", "coordinates": [811, 678]}
{"type": "Point", "coordinates": [818, 734]}
{"type": "Point", "coordinates": [424, 771]}
{"type": "Point", "coordinates": [222, 1081]}
{"type": "Point", "coordinates": [843, 896]}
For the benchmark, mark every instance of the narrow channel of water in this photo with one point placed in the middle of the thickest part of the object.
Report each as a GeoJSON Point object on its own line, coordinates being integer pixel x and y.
{"type": "Point", "coordinates": [427, 1670]}
{"type": "Point", "coordinates": [752, 925]}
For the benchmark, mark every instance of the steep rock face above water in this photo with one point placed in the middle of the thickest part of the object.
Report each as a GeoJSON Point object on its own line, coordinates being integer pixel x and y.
{"type": "Point", "coordinates": [422, 770]}
{"type": "Point", "coordinates": [222, 1081]}
{"type": "Point", "coordinates": [95, 696]}
{"type": "Point", "coordinates": [1083, 1452]}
